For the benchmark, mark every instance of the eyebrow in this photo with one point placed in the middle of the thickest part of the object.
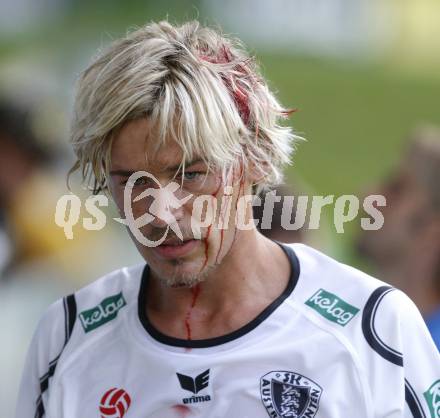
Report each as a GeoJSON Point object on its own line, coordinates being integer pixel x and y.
{"type": "Point", "coordinates": [123, 173]}
{"type": "Point", "coordinates": [128, 173]}
{"type": "Point", "coordinates": [187, 164]}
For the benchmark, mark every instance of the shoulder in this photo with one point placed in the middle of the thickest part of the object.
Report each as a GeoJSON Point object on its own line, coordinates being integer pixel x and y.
{"type": "Point", "coordinates": [322, 277]}
{"type": "Point", "coordinates": [119, 285]}
{"type": "Point", "coordinates": [67, 325]}
{"type": "Point", "coordinates": [347, 301]}
{"type": "Point", "coordinates": [378, 325]}
{"type": "Point", "coordinates": [368, 314]}
{"type": "Point", "coordinates": [92, 307]}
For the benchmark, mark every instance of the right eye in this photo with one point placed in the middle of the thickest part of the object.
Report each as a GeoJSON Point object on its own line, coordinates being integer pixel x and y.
{"type": "Point", "coordinates": [141, 181]}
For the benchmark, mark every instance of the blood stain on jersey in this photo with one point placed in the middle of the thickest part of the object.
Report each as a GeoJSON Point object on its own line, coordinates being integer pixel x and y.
{"type": "Point", "coordinates": [289, 395]}
{"type": "Point", "coordinates": [181, 410]}
{"type": "Point", "coordinates": [114, 403]}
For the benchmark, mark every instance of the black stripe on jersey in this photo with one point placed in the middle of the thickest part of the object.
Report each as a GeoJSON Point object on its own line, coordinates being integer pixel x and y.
{"type": "Point", "coordinates": [70, 317]}
{"type": "Point", "coordinates": [211, 342]}
{"type": "Point", "coordinates": [413, 401]}
{"type": "Point", "coordinates": [40, 408]}
{"type": "Point", "coordinates": [69, 305]}
{"type": "Point", "coordinates": [369, 330]}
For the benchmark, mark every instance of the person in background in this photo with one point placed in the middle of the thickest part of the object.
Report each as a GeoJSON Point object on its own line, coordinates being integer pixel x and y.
{"type": "Point", "coordinates": [406, 250]}
{"type": "Point", "coordinates": [28, 239]}
{"type": "Point", "coordinates": [22, 156]}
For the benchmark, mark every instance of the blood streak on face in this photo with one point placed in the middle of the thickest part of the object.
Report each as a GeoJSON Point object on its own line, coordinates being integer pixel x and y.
{"type": "Point", "coordinates": [221, 221]}
{"type": "Point", "coordinates": [238, 198]}
{"type": "Point", "coordinates": [196, 290]}
{"type": "Point", "coordinates": [195, 294]}
{"type": "Point", "coordinates": [214, 195]}
{"type": "Point", "coordinates": [181, 410]}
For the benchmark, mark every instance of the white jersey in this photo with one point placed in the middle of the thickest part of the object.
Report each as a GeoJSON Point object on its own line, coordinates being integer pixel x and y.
{"type": "Point", "coordinates": [336, 343]}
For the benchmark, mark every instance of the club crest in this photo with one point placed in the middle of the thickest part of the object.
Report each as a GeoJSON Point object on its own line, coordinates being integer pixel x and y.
{"type": "Point", "coordinates": [289, 395]}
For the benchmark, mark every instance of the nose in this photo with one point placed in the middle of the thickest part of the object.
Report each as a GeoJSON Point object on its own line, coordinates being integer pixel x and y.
{"type": "Point", "coordinates": [166, 207]}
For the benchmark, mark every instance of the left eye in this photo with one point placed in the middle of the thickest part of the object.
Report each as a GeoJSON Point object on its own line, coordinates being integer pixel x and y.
{"type": "Point", "coordinates": [191, 175]}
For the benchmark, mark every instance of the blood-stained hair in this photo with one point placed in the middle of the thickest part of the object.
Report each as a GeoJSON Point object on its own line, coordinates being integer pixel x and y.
{"type": "Point", "coordinates": [198, 87]}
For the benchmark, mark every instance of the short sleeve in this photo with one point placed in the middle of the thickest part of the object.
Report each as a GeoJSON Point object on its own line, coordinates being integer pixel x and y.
{"type": "Point", "coordinates": [406, 358]}
{"type": "Point", "coordinates": [49, 339]}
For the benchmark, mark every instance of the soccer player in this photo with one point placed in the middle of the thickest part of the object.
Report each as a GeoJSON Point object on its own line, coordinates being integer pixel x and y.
{"type": "Point", "coordinates": [176, 123]}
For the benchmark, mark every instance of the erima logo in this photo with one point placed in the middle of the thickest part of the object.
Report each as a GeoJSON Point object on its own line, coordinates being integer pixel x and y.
{"type": "Point", "coordinates": [432, 396]}
{"type": "Point", "coordinates": [332, 307]}
{"type": "Point", "coordinates": [195, 386]}
{"type": "Point", "coordinates": [106, 311]}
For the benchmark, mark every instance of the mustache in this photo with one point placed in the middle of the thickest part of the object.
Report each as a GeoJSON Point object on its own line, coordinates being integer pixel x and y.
{"type": "Point", "coordinates": [155, 234]}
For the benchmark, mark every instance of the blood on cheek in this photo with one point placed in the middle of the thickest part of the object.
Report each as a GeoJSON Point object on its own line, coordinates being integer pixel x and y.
{"type": "Point", "coordinates": [208, 233]}
{"type": "Point", "coordinates": [240, 191]}
{"type": "Point", "coordinates": [223, 210]}
{"type": "Point", "coordinates": [196, 290]}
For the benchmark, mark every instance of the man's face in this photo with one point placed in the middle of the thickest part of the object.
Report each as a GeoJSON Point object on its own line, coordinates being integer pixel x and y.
{"type": "Point", "coordinates": [175, 262]}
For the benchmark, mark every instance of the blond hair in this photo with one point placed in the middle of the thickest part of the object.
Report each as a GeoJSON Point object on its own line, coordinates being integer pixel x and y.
{"type": "Point", "coordinates": [196, 85]}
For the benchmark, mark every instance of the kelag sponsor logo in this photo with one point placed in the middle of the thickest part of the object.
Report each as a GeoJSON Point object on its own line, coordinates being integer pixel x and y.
{"type": "Point", "coordinates": [106, 311]}
{"type": "Point", "coordinates": [332, 307]}
{"type": "Point", "coordinates": [432, 396]}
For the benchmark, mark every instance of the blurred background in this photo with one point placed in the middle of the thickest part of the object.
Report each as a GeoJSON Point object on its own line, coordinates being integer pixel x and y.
{"type": "Point", "coordinates": [363, 74]}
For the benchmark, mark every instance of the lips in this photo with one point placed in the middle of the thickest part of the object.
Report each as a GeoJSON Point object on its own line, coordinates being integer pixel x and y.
{"type": "Point", "coordinates": [175, 242]}
{"type": "Point", "coordinates": [173, 248]}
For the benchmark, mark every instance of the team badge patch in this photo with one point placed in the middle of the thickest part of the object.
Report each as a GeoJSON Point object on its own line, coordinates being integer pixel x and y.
{"type": "Point", "coordinates": [289, 395]}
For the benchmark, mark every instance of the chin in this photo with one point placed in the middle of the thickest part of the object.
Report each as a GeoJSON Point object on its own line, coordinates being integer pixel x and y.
{"type": "Point", "coordinates": [179, 273]}
{"type": "Point", "coordinates": [183, 280]}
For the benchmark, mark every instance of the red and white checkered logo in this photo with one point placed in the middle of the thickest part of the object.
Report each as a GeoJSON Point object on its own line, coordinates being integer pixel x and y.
{"type": "Point", "coordinates": [114, 403]}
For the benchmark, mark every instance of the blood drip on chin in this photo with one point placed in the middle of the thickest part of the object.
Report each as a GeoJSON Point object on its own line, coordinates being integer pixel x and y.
{"type": "Point", "coordinates": [195, 294]}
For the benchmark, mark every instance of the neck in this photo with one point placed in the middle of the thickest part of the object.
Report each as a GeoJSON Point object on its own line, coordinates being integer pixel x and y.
{"type": "Point", "coordinates": [253, 274]}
